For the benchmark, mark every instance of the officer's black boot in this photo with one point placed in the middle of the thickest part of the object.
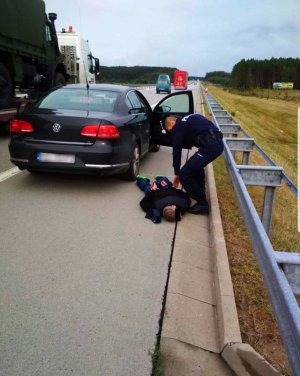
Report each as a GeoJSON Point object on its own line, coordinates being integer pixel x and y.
{"type": "Point", "coordinates": [201, 207]}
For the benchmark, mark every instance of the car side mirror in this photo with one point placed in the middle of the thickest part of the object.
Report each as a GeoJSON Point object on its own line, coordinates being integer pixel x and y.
{"type": "Point", "coordinates": [134, 111]}
{"type": "Point", "coordinates": [97, 66]}
{"type": "Point", "coordinates": [165, 108]}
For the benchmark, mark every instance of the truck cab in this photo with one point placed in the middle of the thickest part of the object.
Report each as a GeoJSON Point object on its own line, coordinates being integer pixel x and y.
{"type": "Point", "coordinates": [180, 80]}
{"type": "Point", "coordinates": [81, 66]}
{"type": "Point", "coordinates": [30, 59]}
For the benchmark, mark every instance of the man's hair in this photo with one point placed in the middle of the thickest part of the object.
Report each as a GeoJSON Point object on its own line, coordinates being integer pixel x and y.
{"type": "Point", "coordinates": [169, 119]}
{"type": "Point", "coordinates": [169, 213]}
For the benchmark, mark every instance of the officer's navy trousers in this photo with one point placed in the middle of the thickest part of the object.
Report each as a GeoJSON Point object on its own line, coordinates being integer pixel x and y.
{"type": "Point", "coordinates": [192, 175]}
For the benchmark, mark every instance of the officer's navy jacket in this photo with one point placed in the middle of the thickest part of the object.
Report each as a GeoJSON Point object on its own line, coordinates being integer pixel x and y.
{"type": "Point", "coordinates": [184, 134]}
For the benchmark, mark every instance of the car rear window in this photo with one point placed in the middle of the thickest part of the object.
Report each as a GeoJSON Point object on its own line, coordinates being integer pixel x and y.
{"type": "Point", "coordinates": [163, 77]}
{"type": "Point", "coordinates": [79, 99]}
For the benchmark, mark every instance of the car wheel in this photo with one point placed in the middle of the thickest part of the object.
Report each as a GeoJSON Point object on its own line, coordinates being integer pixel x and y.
{"type": "Point", "coordinates": [33, 171]}
{"type": "Point", "coordinates": [134, 167]}
{"type": "Point", "coordinates": [154, 148]}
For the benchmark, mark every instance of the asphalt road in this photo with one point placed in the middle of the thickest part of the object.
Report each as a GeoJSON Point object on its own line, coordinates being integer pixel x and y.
{"type": "Point", "coordinates": [5, 163]}
{"type": "Point", "coordinates": [82, 272]}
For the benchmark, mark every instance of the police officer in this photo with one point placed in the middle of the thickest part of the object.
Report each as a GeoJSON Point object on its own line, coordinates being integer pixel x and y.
{"type": "Point", "coordinates": [194, 130]}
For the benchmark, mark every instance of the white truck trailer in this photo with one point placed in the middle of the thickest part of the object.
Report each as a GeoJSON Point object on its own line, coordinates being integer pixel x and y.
{"type": "Point", "coordinates": [80, 64]}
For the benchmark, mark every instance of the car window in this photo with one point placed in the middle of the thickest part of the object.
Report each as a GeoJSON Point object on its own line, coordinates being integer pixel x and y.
{"type": "Point", "coordinates": [133, 102]}
{"type": "Point", "coordinates": [163, 77]}
{"type": "Point", "coordinates": [145, 103]}
{"type": "Point", "coordinates": [128, 102]}
{"type": "Point", "coordinates": [176, 103]}
{"type": "Point", "coordinates": [79, 99]}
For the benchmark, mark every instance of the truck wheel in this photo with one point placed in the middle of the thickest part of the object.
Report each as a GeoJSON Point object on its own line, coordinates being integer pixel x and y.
{"type": "Point", "coordinates": [59, 79]}
{"type": "Point", "coordinates": [6, 87]}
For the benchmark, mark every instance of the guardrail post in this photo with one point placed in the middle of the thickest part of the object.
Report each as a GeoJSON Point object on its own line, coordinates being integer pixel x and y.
{"type": "Point", "coordinates": [230, 130]}
{"type": "Point", "coordinates": [290, 263]}
{"type": "Point", "coordinates": [215, 107]}
{"type": "Point", "coordinates": [268, 205]}
{"type": "Point", "coordinates": [225, 119]}
{"type": "Point", "coordinates": [269, 177]}
{"type": "Point", "coordinates": [244, 145]}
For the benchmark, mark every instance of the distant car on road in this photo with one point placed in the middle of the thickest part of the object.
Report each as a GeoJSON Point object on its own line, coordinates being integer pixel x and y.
{"type": "Point", "coordinates": [163, 83]}
{"type": "Point", "coordinates": [104, 129]}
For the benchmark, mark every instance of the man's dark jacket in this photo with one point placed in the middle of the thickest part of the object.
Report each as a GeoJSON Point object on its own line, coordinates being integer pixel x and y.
{"type": "Point", "coordinates": [158, 199]}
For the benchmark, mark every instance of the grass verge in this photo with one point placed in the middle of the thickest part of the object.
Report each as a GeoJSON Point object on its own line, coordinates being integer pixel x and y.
{"type": "Point", "coordinates": [157, 364]}
{"type": "Point", "coordinates": [272, 123]}
{"type": "Point", "coordinates": [257, 323]}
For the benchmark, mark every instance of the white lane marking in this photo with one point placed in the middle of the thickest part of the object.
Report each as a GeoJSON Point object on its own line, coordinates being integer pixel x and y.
{"type": "Point", "coordinates": [9, 173]}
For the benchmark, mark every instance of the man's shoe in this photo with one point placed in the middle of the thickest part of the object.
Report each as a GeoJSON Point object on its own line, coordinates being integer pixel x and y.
{"type": "Point", "coordinates": [143, 177]}
{"type": "Point", "coordinates": [199, 209]}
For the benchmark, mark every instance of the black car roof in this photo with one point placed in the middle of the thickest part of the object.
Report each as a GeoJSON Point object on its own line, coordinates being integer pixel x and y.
{"type": "Point", "coordinates": [118, 88]}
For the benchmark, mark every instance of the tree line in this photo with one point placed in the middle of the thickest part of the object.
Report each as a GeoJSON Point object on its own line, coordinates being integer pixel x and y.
{"type": "Point", "coordinates": [252, 73]}
{"type": "Point", "coordinates": [133, 75]}
{"type": "Point", "coordinates": [245, 75]}
{"type": "Point", "coordinates": [219, 77]}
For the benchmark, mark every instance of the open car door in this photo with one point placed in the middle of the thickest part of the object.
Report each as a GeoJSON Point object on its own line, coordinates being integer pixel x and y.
{"type": "Point", "coordinates": [176, 104]}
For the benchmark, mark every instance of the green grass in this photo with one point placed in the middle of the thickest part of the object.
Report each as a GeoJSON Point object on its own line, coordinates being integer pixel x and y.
{"type": "Point", "coordinates": [157, 364]}
{"type": "Point", "coordinates": [272, 123]}
{"type": "Point", "coordinates": [257, 323]}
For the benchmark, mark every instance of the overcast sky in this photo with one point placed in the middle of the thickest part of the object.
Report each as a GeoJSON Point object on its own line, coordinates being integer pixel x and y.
{"type": "Point", "coordinates": [195, 35]}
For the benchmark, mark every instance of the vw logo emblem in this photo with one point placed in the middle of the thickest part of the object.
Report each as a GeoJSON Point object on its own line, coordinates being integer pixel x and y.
{"type": "Point", "coordinates": [56, 127]}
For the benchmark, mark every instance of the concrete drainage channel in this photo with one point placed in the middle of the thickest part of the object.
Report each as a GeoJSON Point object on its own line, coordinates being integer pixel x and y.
{"type": "Point", "coordinates": [156, 356]}
{"type": "Point", "coordinates": [199, 330]}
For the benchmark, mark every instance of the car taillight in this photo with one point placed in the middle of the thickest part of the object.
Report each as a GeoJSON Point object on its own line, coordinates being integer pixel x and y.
{"type": "Point", "coordinates": [90, 130]}
{"type": "Point", "coordinates": [108, 131]}
{"type": "Point", "coordinates": [100, 131]}
{"type": "Point", "coordinates": [20, 126]}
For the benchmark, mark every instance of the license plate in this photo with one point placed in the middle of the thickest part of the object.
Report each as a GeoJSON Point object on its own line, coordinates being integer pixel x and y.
{"type": "Point", "coordinates": [56, 158]}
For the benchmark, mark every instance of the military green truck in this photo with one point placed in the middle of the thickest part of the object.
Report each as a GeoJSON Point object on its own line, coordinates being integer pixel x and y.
{"type": "Point", "coordinates": [30, 59]}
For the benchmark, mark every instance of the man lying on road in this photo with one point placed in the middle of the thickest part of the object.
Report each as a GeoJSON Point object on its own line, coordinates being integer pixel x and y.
{"type": "Point", "coordinates": [162, 199]}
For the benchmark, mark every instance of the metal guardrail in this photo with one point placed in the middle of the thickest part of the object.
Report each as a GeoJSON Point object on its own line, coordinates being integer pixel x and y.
{"type": "Point", "coordinates": [228, 125]}
{"type": "Point", "coordinates": [280, 270]}
{"type": "Point", "coordinates": [285, 178]}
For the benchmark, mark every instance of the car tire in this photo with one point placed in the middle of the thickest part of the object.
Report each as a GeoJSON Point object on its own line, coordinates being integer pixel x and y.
{"type": "Point", "coordinates": [33, 171]}
{"type": "Point", "coordinates": [154, 148]}
{"type": "Point", "coordinates": [134, 167]}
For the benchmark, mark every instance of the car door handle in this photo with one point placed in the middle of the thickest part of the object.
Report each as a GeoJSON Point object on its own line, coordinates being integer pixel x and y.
{"type": "Point", "coordinates": [162, 127]}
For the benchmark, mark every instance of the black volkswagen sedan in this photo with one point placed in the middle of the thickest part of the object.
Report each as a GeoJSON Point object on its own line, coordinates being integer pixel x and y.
{"type": "Point", "coordinates": [104, 129]}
